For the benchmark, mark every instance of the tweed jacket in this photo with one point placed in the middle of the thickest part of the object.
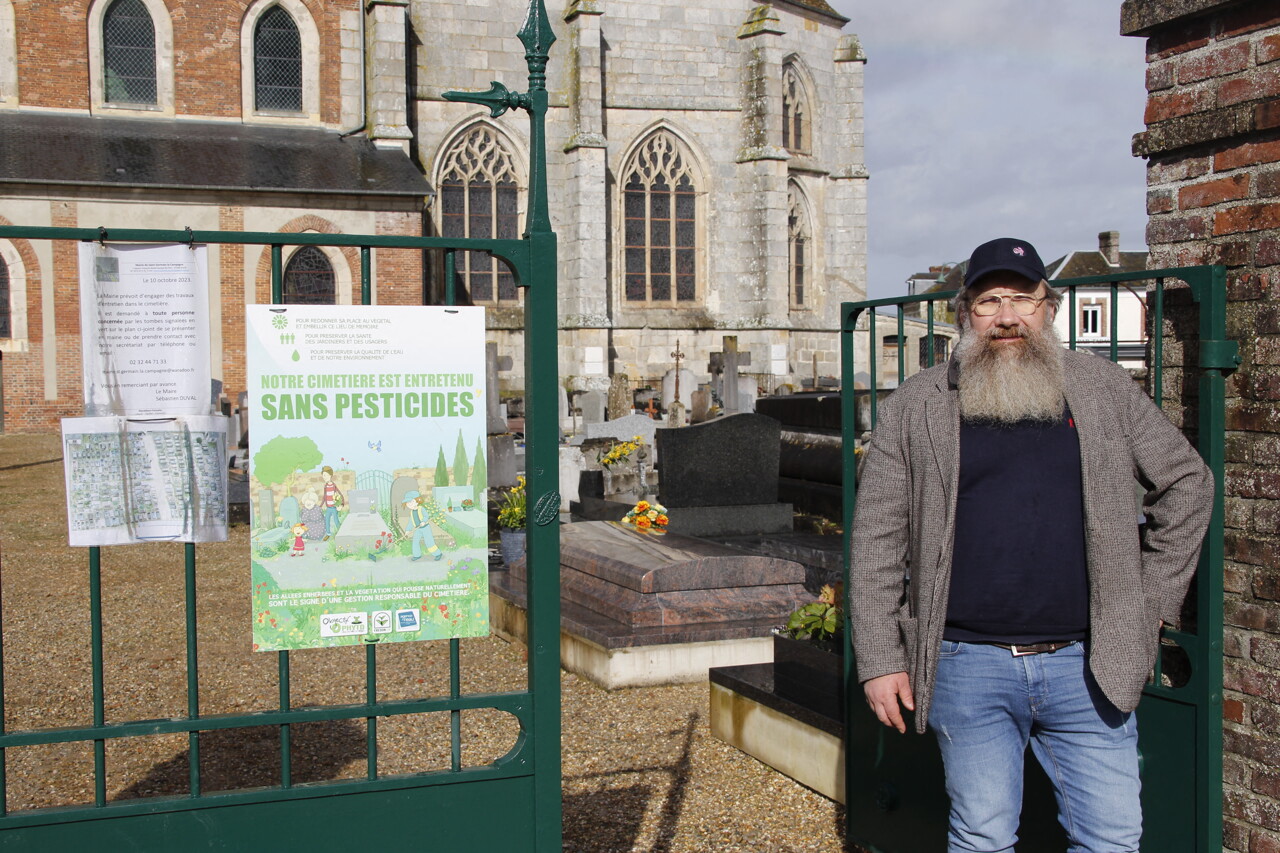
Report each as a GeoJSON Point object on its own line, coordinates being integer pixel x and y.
{"type": "Point", "coordinates": [904, 524]}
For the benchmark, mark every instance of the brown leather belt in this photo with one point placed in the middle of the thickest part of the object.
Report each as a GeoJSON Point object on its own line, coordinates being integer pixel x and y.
{"type": "Point", "coordinates": [1035, 648]}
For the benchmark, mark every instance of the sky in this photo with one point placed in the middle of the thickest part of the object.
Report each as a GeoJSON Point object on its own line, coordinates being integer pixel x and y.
{"type": "Point", "coordinates": [996, 118]}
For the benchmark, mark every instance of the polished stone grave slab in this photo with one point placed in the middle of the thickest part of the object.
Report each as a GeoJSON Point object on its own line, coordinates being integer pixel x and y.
{"type": "Point", "coordinates": [644, 609]}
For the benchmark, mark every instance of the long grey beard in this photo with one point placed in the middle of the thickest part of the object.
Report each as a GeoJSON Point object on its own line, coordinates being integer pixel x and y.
{"type": "Point", "coordinates": [1007, 383]}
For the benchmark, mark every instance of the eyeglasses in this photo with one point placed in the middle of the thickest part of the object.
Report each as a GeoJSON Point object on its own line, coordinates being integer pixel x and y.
{"type": "Point", "coordinates": [989, 306]}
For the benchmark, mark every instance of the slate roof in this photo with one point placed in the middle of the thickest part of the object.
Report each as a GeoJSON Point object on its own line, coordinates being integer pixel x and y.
{"type": "Point", "coordinates": [1081, 264]}
{"type": "Point", "coordinates": [78, 150]}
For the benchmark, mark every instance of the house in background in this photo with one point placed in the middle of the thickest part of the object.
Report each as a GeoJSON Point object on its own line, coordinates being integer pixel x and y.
{"type": "Point", "coordinates": [1095, 312]}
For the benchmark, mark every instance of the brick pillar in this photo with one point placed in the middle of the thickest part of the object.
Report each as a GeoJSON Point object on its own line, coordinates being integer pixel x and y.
{"type": "Point", "coordinates": [1213, 149]}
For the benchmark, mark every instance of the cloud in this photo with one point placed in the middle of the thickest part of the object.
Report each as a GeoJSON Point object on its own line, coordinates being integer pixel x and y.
{"type": "Point", "coordinates": [997, 117]}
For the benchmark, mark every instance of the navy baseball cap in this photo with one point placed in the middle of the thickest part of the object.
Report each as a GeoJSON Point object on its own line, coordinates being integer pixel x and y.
{"type": "Point", "coordinates": [1004, 253]}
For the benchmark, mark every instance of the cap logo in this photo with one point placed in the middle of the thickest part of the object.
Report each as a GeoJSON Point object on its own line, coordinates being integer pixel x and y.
{"type": "Point", "coordinates": [1018, 250]}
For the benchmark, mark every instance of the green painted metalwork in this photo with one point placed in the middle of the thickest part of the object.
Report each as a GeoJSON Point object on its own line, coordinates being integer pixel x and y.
{"type": "Point", "coordinates": [512, 804]}
{"type": "Point", "coordinates": [896, 802]}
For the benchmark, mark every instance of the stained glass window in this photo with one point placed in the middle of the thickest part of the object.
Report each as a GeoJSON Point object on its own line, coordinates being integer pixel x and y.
{"type": "Point", "coordinates": [660, 225]}
{"type": "Point", "coordinates": [309, 279]}
{"type": "Point", "coordinates": [480, 197]}
{"type": "Point", "coordinates": [798, 244]}
{"type": "Point", "coordinates": [795, 113]}
{"type": "Point", "coordinates": [128, 53]}
{"type": "Point", "coordinates": [6, 329]}
{"type": "Point", "coordinates": [277, 62]}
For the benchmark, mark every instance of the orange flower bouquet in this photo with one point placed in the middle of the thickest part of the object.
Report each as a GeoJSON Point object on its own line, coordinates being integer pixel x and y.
{"type": "Point", "coordinates": [647, 517]}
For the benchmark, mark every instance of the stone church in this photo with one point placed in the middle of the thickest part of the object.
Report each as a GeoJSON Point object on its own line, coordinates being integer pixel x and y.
{"type": "Point", "coordinates": [705, 165]}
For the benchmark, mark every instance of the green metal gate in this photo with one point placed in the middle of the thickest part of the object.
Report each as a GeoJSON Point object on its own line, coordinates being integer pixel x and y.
{"type": "Point", "coordinates": [896, 801]}
{"type": "Point", "coordinates": [513, 803]}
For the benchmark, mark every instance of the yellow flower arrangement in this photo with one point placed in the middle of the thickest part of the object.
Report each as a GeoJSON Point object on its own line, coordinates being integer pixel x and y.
{"type": "Point", "coordinates": [647, 517]}
{"type": "Point", "coordinates": [621, 451]}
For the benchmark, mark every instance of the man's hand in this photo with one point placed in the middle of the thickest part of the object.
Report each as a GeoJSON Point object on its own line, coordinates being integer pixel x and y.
{"type": "Point", "coordinates": [883, 694]}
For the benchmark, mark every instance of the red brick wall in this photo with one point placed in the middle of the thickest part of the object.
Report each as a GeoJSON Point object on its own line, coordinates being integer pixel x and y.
{"type": "Point", "coordinates": [26, 408]}
{"type": "Point", "coordinates": [399, 282]}
{"type": "Point", "coordinates": [399, 270]}
{"type": "Point", "coordinates": [53, 55]}
{"type": "Point", "coordinates": [1213, 147]}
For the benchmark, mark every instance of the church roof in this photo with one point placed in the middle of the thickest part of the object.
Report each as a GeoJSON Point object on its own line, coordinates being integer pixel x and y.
{"type": "Point", "coordinates": [816, 6]}
{"type": "Point", "coordinates": [78, 150]}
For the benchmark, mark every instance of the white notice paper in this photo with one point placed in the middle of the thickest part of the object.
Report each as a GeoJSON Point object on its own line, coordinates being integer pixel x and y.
{"type": "Point", "coordinates": [138, 481]}
{"type": "Point", "coordinates": [144, 317]}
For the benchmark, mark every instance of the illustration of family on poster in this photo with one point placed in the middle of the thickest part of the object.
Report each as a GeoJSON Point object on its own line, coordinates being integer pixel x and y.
{"type": "Point", "coordinates": [367, 474]}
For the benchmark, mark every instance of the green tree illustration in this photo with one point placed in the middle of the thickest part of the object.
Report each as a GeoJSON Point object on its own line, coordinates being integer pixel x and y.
{"type": "Point", "coordinates": [460, 464]}
{"type": "Point", "coordinates": [442, 470]}
{"type": "Point", "coordinates": [480, 476]}
{"type": "Point", "coordinates": [284, 456]}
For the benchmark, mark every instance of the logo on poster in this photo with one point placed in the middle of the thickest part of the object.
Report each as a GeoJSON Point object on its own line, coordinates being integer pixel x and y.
{"type": "Point", "coordinates": [407, 620]}
{"type": "Point", "coordinates": [342, 624]}
{"type": "Point", "coordinates": [381, 621]}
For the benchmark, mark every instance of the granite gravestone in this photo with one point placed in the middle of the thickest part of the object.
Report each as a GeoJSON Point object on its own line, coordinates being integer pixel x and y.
{"type": "Point", "coordinates": [701, 409]}
{"type": "Point", "coordinates": [720, 478]}
{"type": "Point", "coordinates": [592, 404]}
{"type": "Point", "coordinates": [619, 397]}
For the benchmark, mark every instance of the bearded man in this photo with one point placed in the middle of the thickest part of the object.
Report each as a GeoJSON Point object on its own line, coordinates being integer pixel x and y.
{"type": "Point", "coordinates": [1005, 584]}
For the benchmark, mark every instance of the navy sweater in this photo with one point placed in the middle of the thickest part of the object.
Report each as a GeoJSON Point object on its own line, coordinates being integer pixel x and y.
{"type": "Point", "coordinates": [1018, 572]}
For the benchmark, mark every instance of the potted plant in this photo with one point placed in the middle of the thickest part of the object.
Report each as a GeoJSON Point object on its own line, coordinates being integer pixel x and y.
{"type": "Point", "coordinates": [807, 653]}
{"type": "Point", "coordinates": [512, 520]}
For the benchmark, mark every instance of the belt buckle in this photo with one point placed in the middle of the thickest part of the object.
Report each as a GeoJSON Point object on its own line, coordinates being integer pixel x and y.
{"type": "Point", "coordinates": [1018, 654]}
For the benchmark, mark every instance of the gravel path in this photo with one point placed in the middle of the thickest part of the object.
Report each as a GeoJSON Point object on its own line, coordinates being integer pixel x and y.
{"type": "Point", "coordinates": [641, 769]}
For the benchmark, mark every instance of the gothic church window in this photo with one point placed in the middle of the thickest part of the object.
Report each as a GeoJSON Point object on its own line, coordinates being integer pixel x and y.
{"type": "Point", "coordinates": [799, 245]}
{"type": "Point", "coordinates": [129, 53]}
{"type": "Point", "coordinates": [309, 278]}
{"type": "Point", "coordinates": [277, 62]}
{"type": "Point", "coordinates": [795, 112]}
{"type": "Point", "coordinates": [660, 225]}
{"type": "Point", "coordinates": [6, 326]}
{"type": "Point", "coordinates": [480, 198]}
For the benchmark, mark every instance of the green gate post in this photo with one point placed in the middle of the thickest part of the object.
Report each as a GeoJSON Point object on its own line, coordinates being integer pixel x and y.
{"type": "Point", "coordinates": [536, 271]}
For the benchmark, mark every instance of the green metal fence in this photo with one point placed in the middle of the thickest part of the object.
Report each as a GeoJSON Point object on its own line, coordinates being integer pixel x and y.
{"type": "Point", "coordinates": [896, 801]}
{"type": "Point", "coordinates": [513, 803]}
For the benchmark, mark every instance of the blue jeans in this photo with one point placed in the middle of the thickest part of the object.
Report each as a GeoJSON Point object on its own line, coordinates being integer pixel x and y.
{"type": "Point", "coordinates": [987, 704]}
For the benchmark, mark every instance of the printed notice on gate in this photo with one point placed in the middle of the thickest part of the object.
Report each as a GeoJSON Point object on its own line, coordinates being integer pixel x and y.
{"type": "Point", "coordinates": [148, 480]}
{"type": "Point", "coordinates": [144, 315]}
{"type": "Point", "coordinates": [367, 474]}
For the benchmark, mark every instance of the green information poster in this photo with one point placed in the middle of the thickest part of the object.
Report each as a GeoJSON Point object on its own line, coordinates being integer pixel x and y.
{"type": "Point", "coordinates": [367, 474]}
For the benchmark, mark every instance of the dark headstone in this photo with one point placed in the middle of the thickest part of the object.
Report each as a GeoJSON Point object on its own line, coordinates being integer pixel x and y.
{"type": "Point", "coordinates": [731, 461]}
